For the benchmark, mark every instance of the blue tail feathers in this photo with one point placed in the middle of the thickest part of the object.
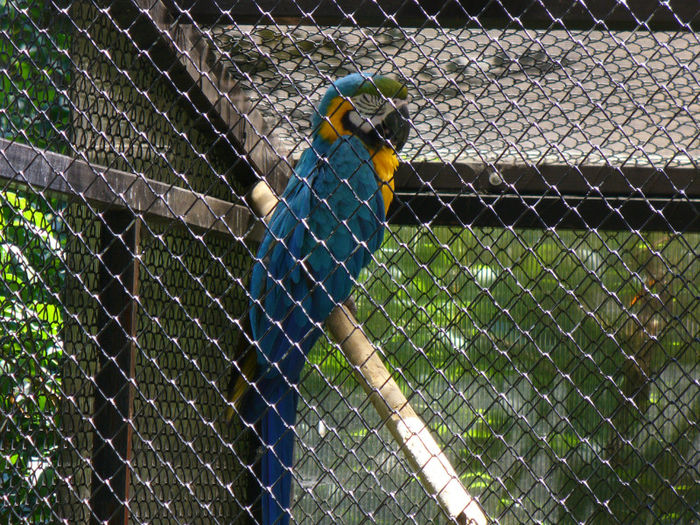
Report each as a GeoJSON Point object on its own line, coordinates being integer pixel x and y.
{"type": "Point", "coordinates": [275, 410]}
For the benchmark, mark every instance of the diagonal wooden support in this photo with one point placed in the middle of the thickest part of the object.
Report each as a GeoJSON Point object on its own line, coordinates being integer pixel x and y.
{"type": "Point", "coordinates": [176, 45]}
{"type": "Point", "coordinates": [413, 436]}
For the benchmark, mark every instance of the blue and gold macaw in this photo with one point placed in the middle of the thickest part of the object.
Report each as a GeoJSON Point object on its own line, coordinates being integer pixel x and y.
{"type": "Point", "coordinates": [323, 231]}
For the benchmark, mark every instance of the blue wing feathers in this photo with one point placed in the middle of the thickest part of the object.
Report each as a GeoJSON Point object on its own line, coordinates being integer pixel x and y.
{"type": "Point", "coordinates": [322, 233]}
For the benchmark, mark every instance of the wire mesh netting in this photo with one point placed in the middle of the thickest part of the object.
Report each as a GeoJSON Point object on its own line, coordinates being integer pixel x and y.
{"type": "Point", "coordinates": [540, 96]}
{"type": "Point", "coordinates": [557, 368]}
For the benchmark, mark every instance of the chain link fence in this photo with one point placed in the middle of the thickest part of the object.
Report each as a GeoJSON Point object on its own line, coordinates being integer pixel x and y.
{"type": "Point", "coordinates": [535, 296]}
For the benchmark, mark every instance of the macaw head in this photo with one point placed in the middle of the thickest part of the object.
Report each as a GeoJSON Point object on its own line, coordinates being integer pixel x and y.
{"type": "Point", "coordinates": [374, 108]}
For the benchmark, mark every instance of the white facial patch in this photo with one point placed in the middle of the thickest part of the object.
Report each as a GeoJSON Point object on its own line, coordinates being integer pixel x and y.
{"type": "Point", "coordinates": [367, 105]}
{"type": "Point", "coordinates": [359, 122]}
{"type": "Point", "coordinates": [371, 110]}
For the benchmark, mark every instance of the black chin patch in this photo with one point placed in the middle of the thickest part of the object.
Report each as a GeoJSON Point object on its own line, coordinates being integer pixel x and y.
{"type": "Point", "coordinates": [392, 132]}
{"type": "Point", "coordinates": [373, 139]}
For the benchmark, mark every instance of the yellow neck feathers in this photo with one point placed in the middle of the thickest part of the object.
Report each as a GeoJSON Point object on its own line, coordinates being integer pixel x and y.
{"type": "Point", "coordinates": [333, 126]}
{"type": "Point", "coordinates": [385, 164]}
{"type": "Point", "coordinates": [384, 160]}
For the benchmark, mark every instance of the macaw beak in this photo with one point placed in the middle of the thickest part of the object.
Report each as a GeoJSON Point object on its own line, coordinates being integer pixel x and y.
{"type": "Point", "coordinates": [395, 127]}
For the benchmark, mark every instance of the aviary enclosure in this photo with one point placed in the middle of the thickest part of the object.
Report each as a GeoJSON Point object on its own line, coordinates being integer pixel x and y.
{"type": "Point", "coordinates": [535, 298]}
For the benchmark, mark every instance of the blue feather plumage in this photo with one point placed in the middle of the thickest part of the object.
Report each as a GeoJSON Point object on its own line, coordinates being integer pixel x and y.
{"type": "Point", "coordinates": [322, 233]}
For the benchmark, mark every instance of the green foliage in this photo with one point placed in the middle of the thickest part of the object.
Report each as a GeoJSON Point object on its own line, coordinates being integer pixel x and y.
{"type": "Point", "coordinates": [33, 110]}
{"type": "Point", "coordinates": [30, 350]}
{"type": "Point", "coordinates": [34, 71]}
{"type": "Point", "coordinates": [517, 346]}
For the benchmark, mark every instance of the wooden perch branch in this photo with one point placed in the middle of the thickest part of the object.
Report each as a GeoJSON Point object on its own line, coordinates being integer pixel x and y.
{"type": "Point", "coordinates": [410, 432]}
{"type": "Point", "coordinates": [413, 436]}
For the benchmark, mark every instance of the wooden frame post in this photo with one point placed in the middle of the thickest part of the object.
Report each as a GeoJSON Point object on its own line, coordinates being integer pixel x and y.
{"type": "Point", "coordinates": [114, 386]}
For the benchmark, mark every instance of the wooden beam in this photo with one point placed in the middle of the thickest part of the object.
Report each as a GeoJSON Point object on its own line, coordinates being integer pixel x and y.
{"type": "Point", "coordinates": [565, 212]}
{"type": "Point", "coordinates": [114, 386]}
{"type": "Point", "coordinates": [44, 171]}
{"type": "Point", "coordinates": [552, 179]}
{"type": "Point", "coordinates": [601, 197]}
{"type": "Point", "coordinates": [454, 194]}
{"type": "Point", "coordinates": [511, 14]}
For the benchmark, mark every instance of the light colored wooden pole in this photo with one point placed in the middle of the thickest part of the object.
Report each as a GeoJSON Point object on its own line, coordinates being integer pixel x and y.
{"type": "Point", "coordinates": [410, 432]}
{"type": "Point", "coordinates": [413, 436]}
